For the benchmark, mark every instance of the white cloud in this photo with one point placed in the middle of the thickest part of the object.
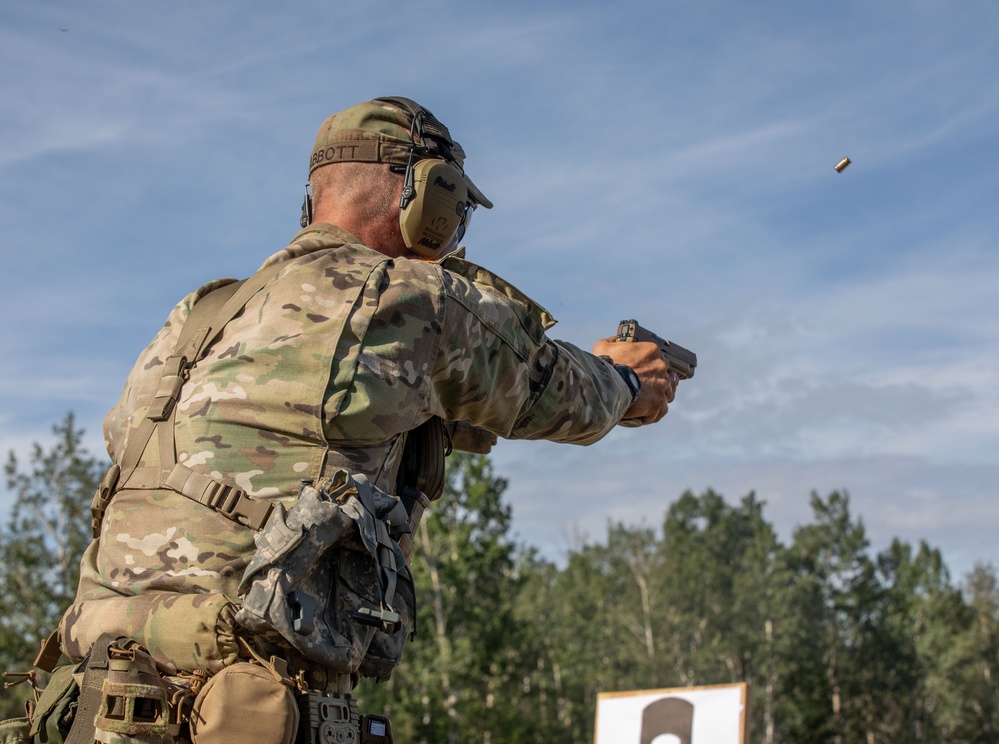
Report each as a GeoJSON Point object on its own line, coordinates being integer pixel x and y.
{"type": "Point", "coordinates": [665, 161]}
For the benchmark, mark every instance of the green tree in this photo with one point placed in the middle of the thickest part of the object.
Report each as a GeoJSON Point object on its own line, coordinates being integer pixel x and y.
{"type": "Point", "coordinates": [868, 660]}
{"type": "Point", "coordinates": [641, 611]}
{"type": "Point", "coordinates": [930, 613]}
{"type": "Point", "coordinates": [597, 616]}
{"type": "Point", "coordinates": [41, 544]}
{"type": "Point", "coordinates": [721, 602]}
{"type": "Point", "coordinates": [980, 694]}
{"type": "Point", "coordinates": [551, 695]}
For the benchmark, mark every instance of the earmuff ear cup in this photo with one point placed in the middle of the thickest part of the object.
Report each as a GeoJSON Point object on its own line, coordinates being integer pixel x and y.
{"type": "Point", "coordinates": [430, 217]}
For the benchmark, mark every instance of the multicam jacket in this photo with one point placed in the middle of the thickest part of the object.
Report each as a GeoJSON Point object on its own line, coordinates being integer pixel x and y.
{"type": "Point", "coordinates": [329, 366]}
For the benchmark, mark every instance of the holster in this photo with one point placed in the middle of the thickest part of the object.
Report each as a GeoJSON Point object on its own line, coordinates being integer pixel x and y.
{"type": "Point", "coordinates": [422, 467]}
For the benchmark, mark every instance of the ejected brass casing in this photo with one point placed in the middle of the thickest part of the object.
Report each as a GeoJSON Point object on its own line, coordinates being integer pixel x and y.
{"type": "Point", "coordinates": [841, 165]}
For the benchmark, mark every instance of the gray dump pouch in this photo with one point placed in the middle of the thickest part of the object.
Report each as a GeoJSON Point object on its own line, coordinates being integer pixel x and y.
{"type": "Point", "coordinates": [328, 576]}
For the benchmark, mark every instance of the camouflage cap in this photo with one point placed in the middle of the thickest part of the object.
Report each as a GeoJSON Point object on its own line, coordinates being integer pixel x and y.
{"type": "Point", "coordinates": [380, 131]}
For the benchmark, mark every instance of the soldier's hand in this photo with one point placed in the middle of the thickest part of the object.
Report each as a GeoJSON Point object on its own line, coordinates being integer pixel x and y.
{"type": "Point", "coordinates": [658, 381]}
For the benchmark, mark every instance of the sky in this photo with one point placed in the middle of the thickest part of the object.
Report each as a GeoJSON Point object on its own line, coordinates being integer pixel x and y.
{"type": "Point", "coordinates": [665, 160]}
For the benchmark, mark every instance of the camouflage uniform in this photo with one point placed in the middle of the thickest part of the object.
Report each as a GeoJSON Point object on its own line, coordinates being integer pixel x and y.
{"type": "Point", "coordinates": [329, 366]}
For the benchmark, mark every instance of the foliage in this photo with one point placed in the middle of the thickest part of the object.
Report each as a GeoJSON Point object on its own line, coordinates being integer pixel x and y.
{"type": "Point", "coordinates": [836, 643]}
{"type": "Point", "coordinates": [41, 544]}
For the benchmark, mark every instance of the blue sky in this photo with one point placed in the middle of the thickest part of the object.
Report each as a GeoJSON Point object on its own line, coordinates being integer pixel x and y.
{"type": "Point", "coordinates": [670, 161]}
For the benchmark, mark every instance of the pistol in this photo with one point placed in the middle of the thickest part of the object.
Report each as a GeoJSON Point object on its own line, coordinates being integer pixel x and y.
{"type": "Point", "coordinates": [682, 361]}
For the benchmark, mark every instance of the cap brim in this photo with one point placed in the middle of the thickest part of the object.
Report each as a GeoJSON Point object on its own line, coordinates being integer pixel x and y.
{"type": "Point", "coordinates": [477, 195]}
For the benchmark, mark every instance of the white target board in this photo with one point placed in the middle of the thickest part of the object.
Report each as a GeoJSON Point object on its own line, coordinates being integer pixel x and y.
{"type": "Point", "coordinates": [718, 714]}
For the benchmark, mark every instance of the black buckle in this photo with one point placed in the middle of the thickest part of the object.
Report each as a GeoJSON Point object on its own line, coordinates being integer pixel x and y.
{"type": "Point", "coordinates": [387, 618]}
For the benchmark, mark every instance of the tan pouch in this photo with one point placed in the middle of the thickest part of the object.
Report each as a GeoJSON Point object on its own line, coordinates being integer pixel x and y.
{"type": "Point", "coordinates": [245, 703]}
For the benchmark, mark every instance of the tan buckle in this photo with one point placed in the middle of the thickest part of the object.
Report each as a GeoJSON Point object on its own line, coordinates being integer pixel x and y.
{"type": "Point", "coordinates": [234, 504]}
{"type": "Point", "coordinates": [102, 497]}
{"type": "Point", "coordinates": [175, 373]}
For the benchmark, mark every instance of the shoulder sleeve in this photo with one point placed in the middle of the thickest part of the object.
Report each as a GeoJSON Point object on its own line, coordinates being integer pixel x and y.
{"type": "Point", "coordinates": [498, 369]}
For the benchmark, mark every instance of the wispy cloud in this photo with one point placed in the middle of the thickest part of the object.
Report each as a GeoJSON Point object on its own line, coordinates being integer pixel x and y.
{"type": "Point", "coordinates": [671, 162]}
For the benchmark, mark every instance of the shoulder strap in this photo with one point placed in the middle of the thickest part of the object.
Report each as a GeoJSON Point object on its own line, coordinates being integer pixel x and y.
{"type": "Point", "coordinates": [207, 318]}
{"type": "Point", "coordinates": [175, 369]}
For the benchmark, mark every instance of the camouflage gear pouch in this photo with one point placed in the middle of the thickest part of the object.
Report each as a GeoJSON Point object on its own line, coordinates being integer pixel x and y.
{"type": "Point", "coordinates": [56, 708]}
{"type": "Point", "coordinates": [329, 579]}
{"type": "Point", "coordinates": [50, 714]}
{"type": "Point", "coordinates": [14, 731]}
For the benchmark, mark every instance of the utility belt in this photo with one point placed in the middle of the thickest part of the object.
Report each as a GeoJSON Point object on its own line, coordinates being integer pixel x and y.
{"type": "Point", "coordinates": [117, 695]}
{"type": "Point", "coordinates": [328, 587]}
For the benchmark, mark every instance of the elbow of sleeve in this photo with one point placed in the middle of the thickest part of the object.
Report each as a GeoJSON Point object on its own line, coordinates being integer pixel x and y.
{"type": "Point", "coordinates": [577, 404]}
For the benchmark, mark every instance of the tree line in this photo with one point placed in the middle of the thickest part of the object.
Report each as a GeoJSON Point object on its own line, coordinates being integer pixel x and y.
{"type": "Point", "coordinates": [838, 643]}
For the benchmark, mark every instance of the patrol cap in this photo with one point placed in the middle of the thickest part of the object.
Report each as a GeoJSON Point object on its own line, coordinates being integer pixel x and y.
{"type": "Point", "coordinates": [379, 131]}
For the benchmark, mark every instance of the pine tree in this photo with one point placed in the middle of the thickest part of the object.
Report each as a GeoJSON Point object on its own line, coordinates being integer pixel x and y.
{"type": "Point", "coordinates": [980, 693]}
{"type": "Point", "coordinates": [41, 544]}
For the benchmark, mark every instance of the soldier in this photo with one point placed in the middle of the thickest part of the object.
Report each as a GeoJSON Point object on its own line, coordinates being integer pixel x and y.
{"type": "Point", "coordinates": [316, 394]}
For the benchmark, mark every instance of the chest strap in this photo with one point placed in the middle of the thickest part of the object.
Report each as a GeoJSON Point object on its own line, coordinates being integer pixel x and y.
{"type": "Point", "coordinates": [229, 501]}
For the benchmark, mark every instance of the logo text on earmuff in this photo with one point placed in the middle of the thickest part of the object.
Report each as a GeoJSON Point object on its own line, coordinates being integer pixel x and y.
{"type": "Point", "coordinates": [439, 181]}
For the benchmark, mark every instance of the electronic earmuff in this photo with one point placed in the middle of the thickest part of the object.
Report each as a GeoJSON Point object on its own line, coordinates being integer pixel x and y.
{"type": "Point", "coordinates": [436, 205]}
